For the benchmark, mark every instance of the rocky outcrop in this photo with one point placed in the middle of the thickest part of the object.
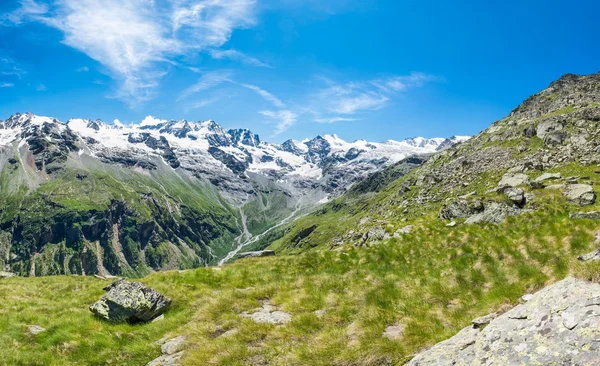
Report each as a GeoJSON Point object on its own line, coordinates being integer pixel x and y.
{"type": "Point", "coordinates": [171, 352]}
{"type": "Point", "coordinates": [582, 194]}
{"type": "Point", "coordinates": [493, 213]}
{"type": "Point", "coordinates": [556, 326]}
{"type": "Point", "coordinates": [130, 302]}
{"type": "Point", "coordinates": [461, 208]}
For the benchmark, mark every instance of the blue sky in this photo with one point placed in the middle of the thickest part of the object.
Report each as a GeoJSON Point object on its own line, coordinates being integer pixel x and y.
{"type": "Point", "coordinates": [386, 69]}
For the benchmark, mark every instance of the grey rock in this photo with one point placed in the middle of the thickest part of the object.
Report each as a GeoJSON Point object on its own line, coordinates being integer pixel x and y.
{"type": "Point", "coordinates": [451, 224]}
{"type": "Point", "coordinates": [516, 195]}
{"type": "Point", "coordinates": [269, 314]}
{"type": "Point", "coordinates": [375, 234]}
{"type": "Point", "coordinates": [595, 255]}
{"type": "Point", "coordinates": [259, 253]}
{"type": "Point", "coordinates": [461, 209]}
{"type": "Point", "coordinates": [394, 332]}
{"type": "Point", "coordinates": [583, 194]}
{"type": "Point", "coordinates": [483, 320]}
{"type": "Point", "coordinates": [166, 360]}
{"type": "Point", "coordinates": [547, 176]}
{"type": "Point", "coordinates": [560, 329]}
{"type": "Point", "coordinates": [529, 131]}
{"type": "Point", "coordinates": [591, 215]}
{"type": "Point", "coordinates": [130, 302]}
{"type": "Point", "coordinates": [173, 345]}
{"type": "Point", "coordinates": [493, 213]}
{"type": "Point", "coordinates": [547, 127]}
{"type": "Point", "coordinates": [6, 274]}
{"type": "Point", "coordinates": [404, 230]}
{"type": "Point", "coordinates": [35, 329]}
{"type": "Point", "coordinates": [513, 180]}
{"type": "Point", "coordinates": [320, 313]}
{"type": "Point", "coordinates": [555, 138]}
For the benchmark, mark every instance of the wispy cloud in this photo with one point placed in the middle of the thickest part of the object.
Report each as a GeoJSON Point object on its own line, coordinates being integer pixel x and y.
{"type": "Point", "coordinates": [138, 40]}
{"type": "Point", "coordinates": [334, 119]}
{"type": "Point", "coordinates": [340, 102]}
{"type": "Point", "coordinates": [284, 119]}
{"type": "Point", "coordinates": [237, 56]}
{"type": "Point", "coordinates": [207, 81]}
{"type": "Point", "coordinates": [41, 87]}
{"type": "Point", "coordinates": [6, 85]}
{"type": "Point", "coordinates": [202, 103]}
{"type": "Point", "coordinates": [27, 9]}
{"type": "Point", "coordinates": [265, 94]}
{"type": "Point", "coordinates": [9, 67]}
{"type": "Point", "coordinates": [82, 69]}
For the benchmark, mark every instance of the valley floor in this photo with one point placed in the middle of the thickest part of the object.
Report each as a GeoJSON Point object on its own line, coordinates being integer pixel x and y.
{"type": "Point", "coordinates": [427, 285]}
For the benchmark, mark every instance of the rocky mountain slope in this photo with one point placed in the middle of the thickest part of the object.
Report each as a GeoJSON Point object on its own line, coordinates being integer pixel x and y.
{"type": "Point", "coordinates": [92, 198]}
{"type": "Point", "coordinates": [550, 142]}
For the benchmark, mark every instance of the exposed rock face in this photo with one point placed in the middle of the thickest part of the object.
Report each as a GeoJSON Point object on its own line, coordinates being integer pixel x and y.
{"type": "Point", "coordinates": [582, 194]}
{"type": "Point", "coordinates": [557, 326]}
{"type": "Point", "coordinates": [130, 302]}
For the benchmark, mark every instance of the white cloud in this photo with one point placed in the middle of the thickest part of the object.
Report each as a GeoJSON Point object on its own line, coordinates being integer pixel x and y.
{"type": "Point", "coordinates": [9, 67]}
{"type": "Point", "coordinates": [6, 85]}
{"type": "Point", "coordinates": [334, 119]}
{"type": "Point", "coordinates": [202, 103]}
{"type": "Point", "coordinates": [237, 56]}
{"type": "Point", "coordinates": [152, 121]}
{"type": "Point", "coordinates": [265, 94]}
{"type": "Point", "coordinates": [207, 80]}
{"type": "Point", "coordinates": [400, 83]}
{"type": "Point", "coordinates": [343, 102]}
{"type": "Point", "coordinates": [137, 40]}
{"type": "Point", "coordinates": [83, 69]}
{"type": "Point", "coordinates": [27, 9]}
{"type": "Point", "coordinates": [283, 119]}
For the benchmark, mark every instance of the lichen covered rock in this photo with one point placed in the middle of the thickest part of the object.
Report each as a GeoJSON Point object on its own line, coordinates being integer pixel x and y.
{"type": "Point", "coordinates": [559, 325]}
{"type": "Point", "coordinates": [130, 302]}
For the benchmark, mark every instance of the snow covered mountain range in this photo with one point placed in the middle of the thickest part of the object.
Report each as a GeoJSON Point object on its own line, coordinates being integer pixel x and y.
{"type": "Point", "coordinates": [225, 157]}
{"type": "Point", "coordinates": [188, 188]}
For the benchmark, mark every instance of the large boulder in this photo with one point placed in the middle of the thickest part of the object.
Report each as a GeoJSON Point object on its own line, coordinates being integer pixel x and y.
{"type": "Point", "coordinates": [516, 195]}
{"type": "Point", "coordinates": [494, 213]}
{"type": "Point", "coordinates": [582, 194]}
{"type": "Point", "coordinates": [513, 180]}
{"type": "Point", "coordinates": [460, 209]}
{"type": "Point", "coordinates": [130, 302]}
{"type": "Point", "coordinates": [556, 326]}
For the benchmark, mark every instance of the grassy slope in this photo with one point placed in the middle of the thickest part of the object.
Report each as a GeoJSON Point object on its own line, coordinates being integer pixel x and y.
{"type": "Point", "coordinates": [433, 281]}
